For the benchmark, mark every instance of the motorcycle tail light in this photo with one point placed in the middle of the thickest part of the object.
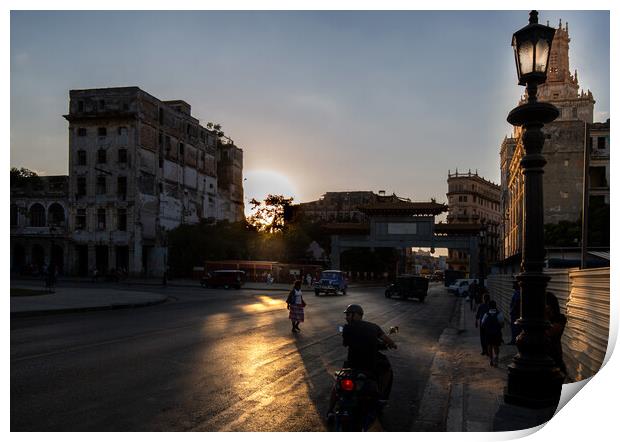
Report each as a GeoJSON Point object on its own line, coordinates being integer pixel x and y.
{"type": "Point", "coordinates": [347, 384]}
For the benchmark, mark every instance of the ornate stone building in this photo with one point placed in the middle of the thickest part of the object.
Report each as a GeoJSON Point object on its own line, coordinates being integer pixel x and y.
{"type": "Point", "coordinates": [564, 146]}
{"type": "Point", "coordinates": [474, 202]}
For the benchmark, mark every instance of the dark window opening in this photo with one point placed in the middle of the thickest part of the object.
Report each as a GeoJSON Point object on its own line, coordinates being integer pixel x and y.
{"type": "Point", "coordinates": [80, 106]}
{"type": "Point", "coordinates": [122, 130]}
{"type": "Point", "coordinates": [81, 131]}
{"type": "Point", "coordinates": [101, 185]}
{"type": "Point", "coordinates": [37, 216]}
{"type": "Point", "coordinates": [600, 143]}
{"type": "Point", "coordinates": [161, 116]}
{"type": "Point", "coordinates": [101, 104]}
{"type": "Point", "coordinates": [80, 219]}
{"type": "Point", "coordinates": [597, 177]}
{"type": "Point", "coordinates": [181, 149]}
{"type": "Point", "coordinates": [122, 220]}
{"type": "Point", "coordinates": [81, 157]}
{"type": "Point", "coordinates": [100, 219]}
{"type": "Point", "coordinates": [122, 155]}
{"type": "Point", "coordinates": [81, 186]}
{"type": "Point", "coordinates": [101, 156]}
{"type": "Point", "coordinates": [102, 132]}
{"type": "Point", "coordinates": [121, 187]}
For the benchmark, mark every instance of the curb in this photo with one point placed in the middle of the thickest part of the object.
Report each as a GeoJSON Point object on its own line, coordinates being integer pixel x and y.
{"type": "Point", "coordinates": [33, 313]}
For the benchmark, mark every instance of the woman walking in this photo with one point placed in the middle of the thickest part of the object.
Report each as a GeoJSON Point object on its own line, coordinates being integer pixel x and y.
{"type": "Point", "coordinates": [295, 304]}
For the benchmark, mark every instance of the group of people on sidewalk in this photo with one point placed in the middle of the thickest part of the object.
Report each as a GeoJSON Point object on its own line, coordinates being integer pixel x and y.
{"type": "Point", "coordinates": [490, 321]}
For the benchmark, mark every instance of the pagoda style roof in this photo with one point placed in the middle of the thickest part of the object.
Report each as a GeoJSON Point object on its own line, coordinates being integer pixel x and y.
{"type": "Point", "coordinates": [404, 208]}
{"type": "Point", "coordinates": [351, 228]}
{"type": "Point", "coordinates": [458, 228]}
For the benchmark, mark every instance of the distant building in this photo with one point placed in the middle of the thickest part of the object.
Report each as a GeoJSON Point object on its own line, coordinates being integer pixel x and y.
{"type": "Point", "coordinates": [138, 167]}
{"type": "Point", "coordinates": [344, 206]}
{"type": "Point", "coordinates": [39, 210]}
{"type": "Point", "coordinates": [474, 202]}
{"type": "Point", "coordinates": [565, 139]}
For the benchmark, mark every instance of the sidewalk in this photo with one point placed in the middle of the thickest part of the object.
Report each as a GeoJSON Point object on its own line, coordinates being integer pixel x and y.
{"type": "Point", "coordinates": [464, 393]}
{"type": "Point", "coordinates": [77, 299]}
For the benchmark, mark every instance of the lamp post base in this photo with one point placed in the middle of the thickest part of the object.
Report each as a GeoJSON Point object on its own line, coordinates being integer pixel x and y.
{"type": "Point", "coordinates": [533, 386]}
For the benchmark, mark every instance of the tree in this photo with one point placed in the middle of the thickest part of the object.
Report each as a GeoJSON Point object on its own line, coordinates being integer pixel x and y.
{"type": "Point", "coordinates": [270, 215]}
{"type": "Point", "coordinates": [22, 177]}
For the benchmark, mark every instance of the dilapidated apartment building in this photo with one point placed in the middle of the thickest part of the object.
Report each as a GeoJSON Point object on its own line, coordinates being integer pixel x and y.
{"type": "Point", "coordinates": [139, 167]}
{"type": "Point", "coordinates": [565, 141]}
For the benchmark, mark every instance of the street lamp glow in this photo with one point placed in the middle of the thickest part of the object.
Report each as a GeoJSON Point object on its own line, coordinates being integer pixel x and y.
{"type": "Point", "coordinates": [532, 45]}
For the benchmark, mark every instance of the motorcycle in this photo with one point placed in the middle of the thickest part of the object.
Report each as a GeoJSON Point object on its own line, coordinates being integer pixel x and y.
{"type": "Point", "coordinates": [358, 399]}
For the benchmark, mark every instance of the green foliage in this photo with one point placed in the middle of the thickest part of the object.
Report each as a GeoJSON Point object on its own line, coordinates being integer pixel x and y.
{"type": "Point", "coordinates": [264, 236]}
{"type": "Point", "coordinates": [269, 215]}
{"type": "Point", "coordinates": [563, 234]}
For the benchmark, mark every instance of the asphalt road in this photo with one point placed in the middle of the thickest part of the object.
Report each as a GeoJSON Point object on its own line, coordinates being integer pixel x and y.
{"type": "Point", "coordinates": [210, 360]}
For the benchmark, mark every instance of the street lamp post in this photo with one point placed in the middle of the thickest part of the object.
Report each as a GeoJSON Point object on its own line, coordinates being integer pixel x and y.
{"type": "Point", "coordinates": [533, 379]}
{"type": "Point", "coordinates": [483, 234]}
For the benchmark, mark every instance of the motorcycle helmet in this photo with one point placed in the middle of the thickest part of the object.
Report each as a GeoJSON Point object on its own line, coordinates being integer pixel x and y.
{"type": "Point", "coordinates": [354, 308]}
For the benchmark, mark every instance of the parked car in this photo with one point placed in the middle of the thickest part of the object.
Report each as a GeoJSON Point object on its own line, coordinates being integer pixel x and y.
{"type": "Point", "coordinates": [408, 286]}
{"type": "Point", "coordinates": [331, 281]}
{"type": "Point", "coordinates": [460, 287]}
{"type": "Point", "coordinates": [223, 278]}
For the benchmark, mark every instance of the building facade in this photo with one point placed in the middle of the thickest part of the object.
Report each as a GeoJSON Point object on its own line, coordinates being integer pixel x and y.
{"type": "Point", "coordinates": [565, 141]}
{"type": "Point", "coordinates": [139, 167]}
{"type": "Point", "coordinates": [474, 201]}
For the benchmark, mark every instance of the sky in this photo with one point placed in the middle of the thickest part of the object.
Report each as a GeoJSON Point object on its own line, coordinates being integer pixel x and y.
{"type": "Point", "coordinates": [318, 100]}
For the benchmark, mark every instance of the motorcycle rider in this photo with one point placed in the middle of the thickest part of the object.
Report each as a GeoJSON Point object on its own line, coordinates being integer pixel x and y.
{"type": "Point", "coordinates": [363, 340]}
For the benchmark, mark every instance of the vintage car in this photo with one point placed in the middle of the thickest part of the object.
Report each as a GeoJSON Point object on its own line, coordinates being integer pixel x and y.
{"type": "Point", "coordinates": [408, 286]}
{"type": "Point", "coordinates": [223, 278]}
{"type": "Point", "coordinates": [331, 281]}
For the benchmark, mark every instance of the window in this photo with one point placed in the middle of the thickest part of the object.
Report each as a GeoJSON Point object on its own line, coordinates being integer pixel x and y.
{"type": "Point", "coordinates": [81, 157]}
{"type": "Point", "coordinates": [122, 220]}
{"type": "Point", "coordinates": [101, 156]}
{"type": "Point", "coordinates": [102, 132]}
{"type": "Point", "coordinates": [80, 106]}
{"type": "Point", "coordinates": [122, 131]}
{"type": "Point", "coordinates": [37, 215]}
{"type": "Point", "coordinates": [101, 185]}
{"type": "Point", "coordinates": [181, 149]}
{"type": "Point", "coordinates": [81, 131]}
{"type": "Point", "coordinates": [122, 155]}
{"type": "Point", "coordinates": [81, 186]}
{"type": "Point", "coordinates": [100, 219]}
{"type": "Point", "coordinates": [80, 219]}
{"type": "Point", "coordinates": [121, 187]}
{"type": "Point", "coordinates": [575, 112]}
{"type": "Point", "coordinates": [101, 104]}
{"type": "Point", "coordinates": [600, 143]}
{"type": "Point", "coordinates": [161, 116]}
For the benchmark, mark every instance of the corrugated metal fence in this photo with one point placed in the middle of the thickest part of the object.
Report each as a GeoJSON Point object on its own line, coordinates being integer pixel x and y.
{"type": "Point", "coordinates": [584, 299]}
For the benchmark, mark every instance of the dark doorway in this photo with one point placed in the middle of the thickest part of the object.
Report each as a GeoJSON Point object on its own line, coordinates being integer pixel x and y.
{"type": "Point", "coordinates": [82, 260]}
{"type": "Point", "coordinates": [38, 258]}
{"type": "Point", "coordinates": [122, 257]}
{"type": "Point", "coordinates": [57, 258]}
{"type": "Point", "coordinates": [101, 259]}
